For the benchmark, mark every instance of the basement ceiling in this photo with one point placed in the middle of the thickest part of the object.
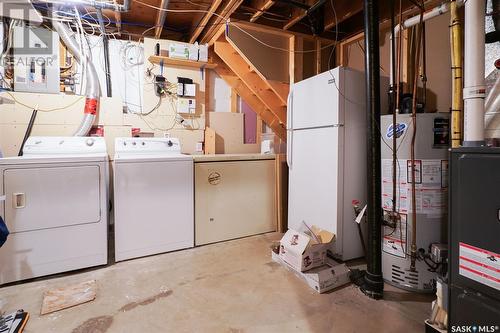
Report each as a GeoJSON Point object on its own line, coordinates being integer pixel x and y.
{"type": "Point", "coordinates": [289, 15]}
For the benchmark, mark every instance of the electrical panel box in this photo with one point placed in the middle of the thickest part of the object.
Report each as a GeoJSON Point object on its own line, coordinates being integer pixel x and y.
{"type": "Point", "coordinates": [36, 60]}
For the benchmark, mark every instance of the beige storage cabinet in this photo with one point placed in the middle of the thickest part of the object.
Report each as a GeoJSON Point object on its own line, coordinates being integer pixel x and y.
{"type": "Point", "coordinates": [234, 196]}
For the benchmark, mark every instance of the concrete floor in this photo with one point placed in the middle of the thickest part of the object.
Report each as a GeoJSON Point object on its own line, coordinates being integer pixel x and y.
{"type": "Point", "coordinates": [226, 287]}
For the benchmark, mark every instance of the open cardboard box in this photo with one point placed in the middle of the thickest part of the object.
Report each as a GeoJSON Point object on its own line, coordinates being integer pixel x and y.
{"type": "Point", "coordinates": [322, 279]}
{"type": "Point", "coordinates": [303, 252]}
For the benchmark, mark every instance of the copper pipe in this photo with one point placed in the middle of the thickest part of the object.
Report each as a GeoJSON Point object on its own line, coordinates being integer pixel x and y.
{"type": "Point", "coordinates": [413, 251]}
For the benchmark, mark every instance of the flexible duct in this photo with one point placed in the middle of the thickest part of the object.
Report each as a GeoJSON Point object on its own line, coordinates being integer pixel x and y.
{"type": "Point", "coordinates": [92, 87]}
{"type": "Point", "coordinates": [474, 84]}
{"type": "Point", "coordinates": [492, 107]}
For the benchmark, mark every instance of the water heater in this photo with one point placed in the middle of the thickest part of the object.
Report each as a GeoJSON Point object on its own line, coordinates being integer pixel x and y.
{"type": "Point", "coordinates": [431, 192]}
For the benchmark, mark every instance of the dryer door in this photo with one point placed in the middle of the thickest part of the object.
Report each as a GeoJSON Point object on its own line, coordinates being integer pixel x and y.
{"type": "Point", "coordinates": [50, 197]}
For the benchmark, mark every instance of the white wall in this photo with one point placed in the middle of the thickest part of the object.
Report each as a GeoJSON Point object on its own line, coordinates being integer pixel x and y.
{"type": "Point", "coordinates": [126, 79]}
{"type": "Point", "coordinates": [219, 94]}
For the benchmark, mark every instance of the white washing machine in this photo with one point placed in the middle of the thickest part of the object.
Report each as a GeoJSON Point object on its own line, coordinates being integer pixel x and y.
{"type": "Point", "coordinates": [55, 207]}
{"type": "Point", "coordinates": [153, 197]}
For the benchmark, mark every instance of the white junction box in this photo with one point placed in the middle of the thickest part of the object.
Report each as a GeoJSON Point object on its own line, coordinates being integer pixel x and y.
{"type": "Point", "coordinates": [323, 278]}
{"type": "Point", "coordinates": [186, 105]}
{"type": "Point", "coordinates": [36, 60]}
{"type": "Point", "coordinates": [303, 252]}
{"type": "Point", "coordinates": [178, 51]}
{"type": "Point", "coordinates": [203, 53]}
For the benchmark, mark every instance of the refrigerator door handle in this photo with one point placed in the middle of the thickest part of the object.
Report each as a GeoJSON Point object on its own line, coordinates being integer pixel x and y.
{"type": "Point", "coordinates": [289, 132]}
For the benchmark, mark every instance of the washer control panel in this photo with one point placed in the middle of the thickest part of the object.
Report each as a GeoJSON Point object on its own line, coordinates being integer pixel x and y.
{"type": "Point", "coordinates": [148, 145]}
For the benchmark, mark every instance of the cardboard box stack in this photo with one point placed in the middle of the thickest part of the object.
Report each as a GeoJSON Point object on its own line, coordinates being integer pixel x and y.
{"type": "Point", "coordinates": [304, 254]}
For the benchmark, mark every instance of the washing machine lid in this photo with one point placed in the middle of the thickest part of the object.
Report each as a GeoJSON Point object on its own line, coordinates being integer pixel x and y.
{"type": "Point", "coordinates": [148, 149]}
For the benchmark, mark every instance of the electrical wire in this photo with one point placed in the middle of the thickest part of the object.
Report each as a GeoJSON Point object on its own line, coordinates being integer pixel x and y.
{"type": "Point", "coordinates": [44, 110]}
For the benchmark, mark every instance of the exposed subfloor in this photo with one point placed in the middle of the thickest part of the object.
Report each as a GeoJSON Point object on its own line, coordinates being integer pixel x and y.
{"type": "Point", "coordinates": [226, 287]}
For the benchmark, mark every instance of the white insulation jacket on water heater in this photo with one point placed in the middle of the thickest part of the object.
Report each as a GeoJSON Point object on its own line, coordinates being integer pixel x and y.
{"type": "Point", "coordinates": [431, 183]}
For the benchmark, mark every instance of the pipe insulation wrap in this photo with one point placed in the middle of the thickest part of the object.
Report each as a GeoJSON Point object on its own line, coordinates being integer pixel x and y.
{"type": "Point", "coordinates": [474, 84]}
{"type": "Point", "coordinates": [93, 91]}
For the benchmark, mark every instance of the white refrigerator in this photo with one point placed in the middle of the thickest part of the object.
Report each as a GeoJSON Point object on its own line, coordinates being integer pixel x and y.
{"type": "Point", "coordinates": [326, 155]}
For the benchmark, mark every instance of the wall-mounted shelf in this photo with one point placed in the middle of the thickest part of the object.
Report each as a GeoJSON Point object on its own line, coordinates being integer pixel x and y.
{"type": "Point", "coordinates": [180, 62]}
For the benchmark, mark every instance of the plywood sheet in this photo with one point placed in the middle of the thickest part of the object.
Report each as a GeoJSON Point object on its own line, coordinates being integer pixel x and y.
{"type": "Point", "coordinates": [69, 296]}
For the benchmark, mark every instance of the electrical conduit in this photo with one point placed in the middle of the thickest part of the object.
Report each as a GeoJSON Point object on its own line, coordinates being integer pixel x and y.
{"type": "Point", "coordinates": [92, 88]}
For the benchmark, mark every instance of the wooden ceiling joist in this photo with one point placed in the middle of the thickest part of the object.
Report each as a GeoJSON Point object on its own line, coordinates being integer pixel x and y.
{"type": "Point", "coordinates": [205, 20]}
{"type": "Point", "coordinates": [217, 21]}
{"type": "Point", "coordinates": [344, 10]}
{"type": "Point", "coordinates": [297, 15]}
{"type": "Point", "coordinates": [261, 6]}
{"type": "Point", "coordinates": [160, 18]}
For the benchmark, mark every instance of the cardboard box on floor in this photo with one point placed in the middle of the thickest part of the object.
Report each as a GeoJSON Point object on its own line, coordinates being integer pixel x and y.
{"type": "Point", "coordinates": [322, 279]}
{"type": "Point", "coordinates": [304, 252]}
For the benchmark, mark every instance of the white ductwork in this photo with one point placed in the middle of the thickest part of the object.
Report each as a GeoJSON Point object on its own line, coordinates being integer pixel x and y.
{"type": "Point", "coordinates": [93, 91]}
{"type": "Point", "coordinates": [492, 108]}
{"type": "Point", "coordinates": [474, 84]}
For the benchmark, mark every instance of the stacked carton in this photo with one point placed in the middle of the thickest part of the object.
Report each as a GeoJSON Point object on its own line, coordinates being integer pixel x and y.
{"type": "Point", "coordinates": [304, 254]}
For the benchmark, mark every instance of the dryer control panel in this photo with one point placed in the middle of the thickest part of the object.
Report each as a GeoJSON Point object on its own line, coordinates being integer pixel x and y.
{"type": "Point", "coordinates": [57, 145]}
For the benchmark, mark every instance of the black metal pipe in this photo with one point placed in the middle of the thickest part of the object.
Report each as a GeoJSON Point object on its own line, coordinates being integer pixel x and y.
{"type": "Point", "coordinates": [28, 131]}
{"type": "Point", "coordinates": [105, 45]}
{"type": "Point", "coordinates": [374, 284]}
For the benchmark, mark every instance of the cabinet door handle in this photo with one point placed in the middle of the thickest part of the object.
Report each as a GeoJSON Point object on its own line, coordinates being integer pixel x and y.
{"type": "Point", "coordinates": [19, 200]}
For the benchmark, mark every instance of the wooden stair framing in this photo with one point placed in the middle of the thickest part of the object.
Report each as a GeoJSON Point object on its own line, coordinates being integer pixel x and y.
{"type": "Point", "coordinates": [279, 88]}
{"type": "Point", "coordinates": [253, 87]}
{"type": "Point", "coordinates": [249, 97]}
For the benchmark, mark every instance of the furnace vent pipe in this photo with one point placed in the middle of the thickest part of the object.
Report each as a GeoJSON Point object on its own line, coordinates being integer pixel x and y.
{"type": "Point", "coordinates": [474, 84]}
{"type": "Point", "coordinates": [92, 88]}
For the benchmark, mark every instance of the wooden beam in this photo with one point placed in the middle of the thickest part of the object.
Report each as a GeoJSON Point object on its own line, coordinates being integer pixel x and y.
{"type": "Point", "coordinates": [234, 100]}
{"type": "Point", "coordinates": [204, 20]}
{"type": "Point", "coordinates": [318, 56]}
{"type": "Point", "coordinates": [344, 10]}
{"type": "Point", "coordinates": [297, 15]}
{"type": "Point", "coordinates": [160, 18]}
{"type": "Point", "coordinates": [299, 59]}
{"type": "Point", "coordinates": [210, 137]}
{"type": "Point", "coordinates": [291, 59]}
{"type": "Point", "coordinates": [216, 22]}
{"type": "Point", "coordinates": [261, 6]}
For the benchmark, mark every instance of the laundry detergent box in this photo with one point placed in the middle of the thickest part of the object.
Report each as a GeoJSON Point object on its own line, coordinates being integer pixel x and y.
{"type": "Point", "coordinates": [302, 251]}
{"type": "Point", "coordinates": [323, 278]}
